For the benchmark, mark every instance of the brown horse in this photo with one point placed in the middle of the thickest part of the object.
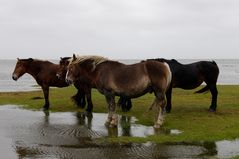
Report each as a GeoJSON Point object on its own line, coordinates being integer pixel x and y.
{"type": "Point", "coordinates": [85, 88]}
{"type": "Point", "coordinates": [112, 78]}
{"type": "Point", "coordinates": [44, 72]}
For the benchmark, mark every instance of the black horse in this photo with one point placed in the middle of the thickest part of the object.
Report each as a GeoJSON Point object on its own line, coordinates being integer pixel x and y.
{"type": "Point", "coordinates": [190, 76]}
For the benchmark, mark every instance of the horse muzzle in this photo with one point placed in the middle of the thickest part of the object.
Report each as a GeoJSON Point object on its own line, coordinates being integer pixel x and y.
{"type": "Point", "coordinates": [58, 76]}
{"type": "Point", "coordinates": [69, 81]}
{"type": "Point", "coordinates": [14, 77]}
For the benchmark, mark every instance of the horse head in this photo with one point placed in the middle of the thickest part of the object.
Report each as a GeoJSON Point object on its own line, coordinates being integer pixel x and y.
{"type": "Point", "coordinates": [64, 62]}
{"type": "Point", "coordinates": [82, 67]}
{"type": "Point", "coordinates": [72, 71]}
{"type": "Point", "coordinates": [21, 68]}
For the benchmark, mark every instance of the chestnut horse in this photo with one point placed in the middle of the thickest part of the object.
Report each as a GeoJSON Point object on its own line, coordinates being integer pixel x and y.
{"type": "Point", "coordinates": [190, 76]}
{"type": "Point", "coordinates": [112, 78]}
{"type": "Point", "coordinates": [86, 88]}
{"type": "Point", "coordinates": [44, 72]}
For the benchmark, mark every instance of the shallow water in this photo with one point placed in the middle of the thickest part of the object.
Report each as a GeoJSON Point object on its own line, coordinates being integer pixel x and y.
{"type": "Point", "coordinates": [35, 134]}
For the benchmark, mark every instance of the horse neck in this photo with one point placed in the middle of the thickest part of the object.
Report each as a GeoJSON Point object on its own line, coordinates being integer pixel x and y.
{"type": "Point", "coordinates": [33, 68]}
{"type": "Point", "coordinates": [91, 76]}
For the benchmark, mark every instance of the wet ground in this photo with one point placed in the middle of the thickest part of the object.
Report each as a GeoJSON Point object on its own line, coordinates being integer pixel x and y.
{"type": "Point", "coordinates": [35, 134]}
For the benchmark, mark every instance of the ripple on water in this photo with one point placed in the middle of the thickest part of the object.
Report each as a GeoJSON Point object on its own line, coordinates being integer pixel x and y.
{"type": "Point", "coordinates": [33, 134]}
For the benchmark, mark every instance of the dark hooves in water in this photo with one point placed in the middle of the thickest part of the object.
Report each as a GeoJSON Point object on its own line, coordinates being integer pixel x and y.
{"type": "Point", "coordinates": [167, 110]}
{"type": "Point", "coordinates": [46, 112]}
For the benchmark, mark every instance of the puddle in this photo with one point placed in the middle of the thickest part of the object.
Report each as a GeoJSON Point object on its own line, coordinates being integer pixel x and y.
{"type": "Point", "coordinates": [34, 134]}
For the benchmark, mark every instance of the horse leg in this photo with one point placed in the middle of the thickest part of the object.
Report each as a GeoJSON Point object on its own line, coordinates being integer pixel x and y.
{"type": "Point", "coordinates": [160, 102]}
{"type": "Point", "coordinates": [112, 119]}
{"type": "Point", "coordinates": [169, 99]}
{"type": "Point", "coordinates": [214, 92]}
{"type": "Point", "coordinates": [121, 103]}
{"type": "Point", "coordinates": [124, 103]}
{"type": "Point", "coordinates": [89, 101]}
{"type": "Point", "coordinates": [152, 105]}
{"type": "Point", "coordinates": [46, 96]}
{"type": "Point", "coordinates": [128, 104]}
{"type": "Point", "coordinates": [79, 98]}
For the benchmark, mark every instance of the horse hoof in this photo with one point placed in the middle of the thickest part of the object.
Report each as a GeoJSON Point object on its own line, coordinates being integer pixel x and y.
{"type": "Point", "coordinates": [168, 111]}
{"type": "Point", "coordinates": [45, 108]}
{"type": "Point", "coordinates": [88, 114]}
{"type": "Point", "coordinates": [46, 112]}
{"type": "Point", "coordinates": [157, 126]}
{"type": "Point", "coordinates": [107, 123]}
{"type": "Point", "coordinates": [112, 125]}
{"type": "Point", "coordinates": [212, 110]}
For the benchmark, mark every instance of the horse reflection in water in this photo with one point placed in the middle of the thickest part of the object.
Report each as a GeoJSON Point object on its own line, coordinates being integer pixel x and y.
{"type": "Point", "coordinates": [113, 78]}
{"type": "Point", "coordinates": [71, 141]}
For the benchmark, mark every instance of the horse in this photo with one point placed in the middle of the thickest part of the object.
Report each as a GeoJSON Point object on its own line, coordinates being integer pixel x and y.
{"type": "Point", "coordinates": [190, 76]}
{"type": "Point", "coordinates": [44, 72]}
{"type": "Point", "coordinates": [113, 78]}
{"type": "Point", "coordinates": [85, 86]}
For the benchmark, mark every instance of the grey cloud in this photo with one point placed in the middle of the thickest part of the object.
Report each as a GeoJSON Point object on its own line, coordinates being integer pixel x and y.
{"type": "Point", "coordinates": [120, 29]}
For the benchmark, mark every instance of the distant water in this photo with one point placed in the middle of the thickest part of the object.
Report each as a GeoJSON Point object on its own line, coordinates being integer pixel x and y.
{"type": "Point", "coordinates": [229, 74]}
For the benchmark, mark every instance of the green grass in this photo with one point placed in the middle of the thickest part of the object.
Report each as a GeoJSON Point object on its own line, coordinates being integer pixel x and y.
{"type": "Point", "coordinates": [189, 112]}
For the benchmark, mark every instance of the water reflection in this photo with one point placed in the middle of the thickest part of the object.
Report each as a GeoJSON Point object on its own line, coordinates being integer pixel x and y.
{"type": "Point", "coordinates": [35, 134]}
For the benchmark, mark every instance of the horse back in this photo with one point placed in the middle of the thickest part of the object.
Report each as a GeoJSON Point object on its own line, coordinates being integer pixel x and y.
{"type": "Point", "coordinates": [209, 69]}
{"type": "Point", "coordinates": [46, 74]}
{"type": "Point", "coordinates": [119, 77]}
{"type": "Point", "coordinates": [159, 73]}
{"type": "Point", "coordinates": [189, 76]}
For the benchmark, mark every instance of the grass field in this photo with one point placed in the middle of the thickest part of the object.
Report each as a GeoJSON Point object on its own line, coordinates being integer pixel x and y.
{"type": "Point", "coordinates": [189, 112]}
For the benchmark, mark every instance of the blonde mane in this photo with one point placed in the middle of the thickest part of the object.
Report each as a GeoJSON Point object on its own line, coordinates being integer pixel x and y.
{"type": "Point", "coordinates": [97, 59]}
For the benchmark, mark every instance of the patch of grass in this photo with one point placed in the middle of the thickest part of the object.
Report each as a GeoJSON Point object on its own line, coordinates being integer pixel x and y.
{"type": "Point", "coordinates": [189, 112]}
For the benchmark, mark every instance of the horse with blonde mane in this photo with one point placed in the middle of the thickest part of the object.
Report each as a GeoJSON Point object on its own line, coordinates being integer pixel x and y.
{"type": "Point", "coordinates": [113, 78]}
{"type": "Point", "coordinates": [84, 97]}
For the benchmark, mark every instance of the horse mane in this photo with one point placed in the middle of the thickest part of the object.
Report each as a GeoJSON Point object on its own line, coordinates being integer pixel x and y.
{"type": "Point", "coordinates": [66, 58]}
{"type": "Point", "coordinates": [31, 59]}
{"type": "Point", "coordinates": [97, 59]}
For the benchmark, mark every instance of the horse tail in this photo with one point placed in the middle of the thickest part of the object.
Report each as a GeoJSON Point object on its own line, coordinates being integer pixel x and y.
{"type": "Point", "coordinates": [169, 77]}
{"type": "Point", "coordinates": [214, 63]}
{"type": "Point", "coordinates": [204, 89]}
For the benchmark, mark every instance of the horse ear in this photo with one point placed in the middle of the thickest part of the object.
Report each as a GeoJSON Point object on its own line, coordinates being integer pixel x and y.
{"type": "Point", "coordinates": [61, 58]}
{"type": "Point", "coordinates": [18, 59]}
{"type": "Point", "coordinates": [30, 59]}
{"type": "Point", "coordinates": [74, 57]}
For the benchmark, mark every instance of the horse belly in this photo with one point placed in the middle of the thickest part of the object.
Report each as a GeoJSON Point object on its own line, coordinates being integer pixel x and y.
{"type": "Point", "coordinates": [187, 83]}
{"type": "Point", "coordinates": [132, 87]}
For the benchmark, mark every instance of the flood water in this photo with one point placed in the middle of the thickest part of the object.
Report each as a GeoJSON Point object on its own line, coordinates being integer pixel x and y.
{"type": "Point", "coordinates": [36, 134]}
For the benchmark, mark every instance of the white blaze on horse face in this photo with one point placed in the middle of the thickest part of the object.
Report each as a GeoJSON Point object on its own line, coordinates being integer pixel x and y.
{"type": "Point", "coordinates": [67, 76]}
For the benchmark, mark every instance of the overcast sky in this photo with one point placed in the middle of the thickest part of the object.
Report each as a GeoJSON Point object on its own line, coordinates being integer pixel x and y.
{"type": "Point", "coordinates": [119, 29]}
